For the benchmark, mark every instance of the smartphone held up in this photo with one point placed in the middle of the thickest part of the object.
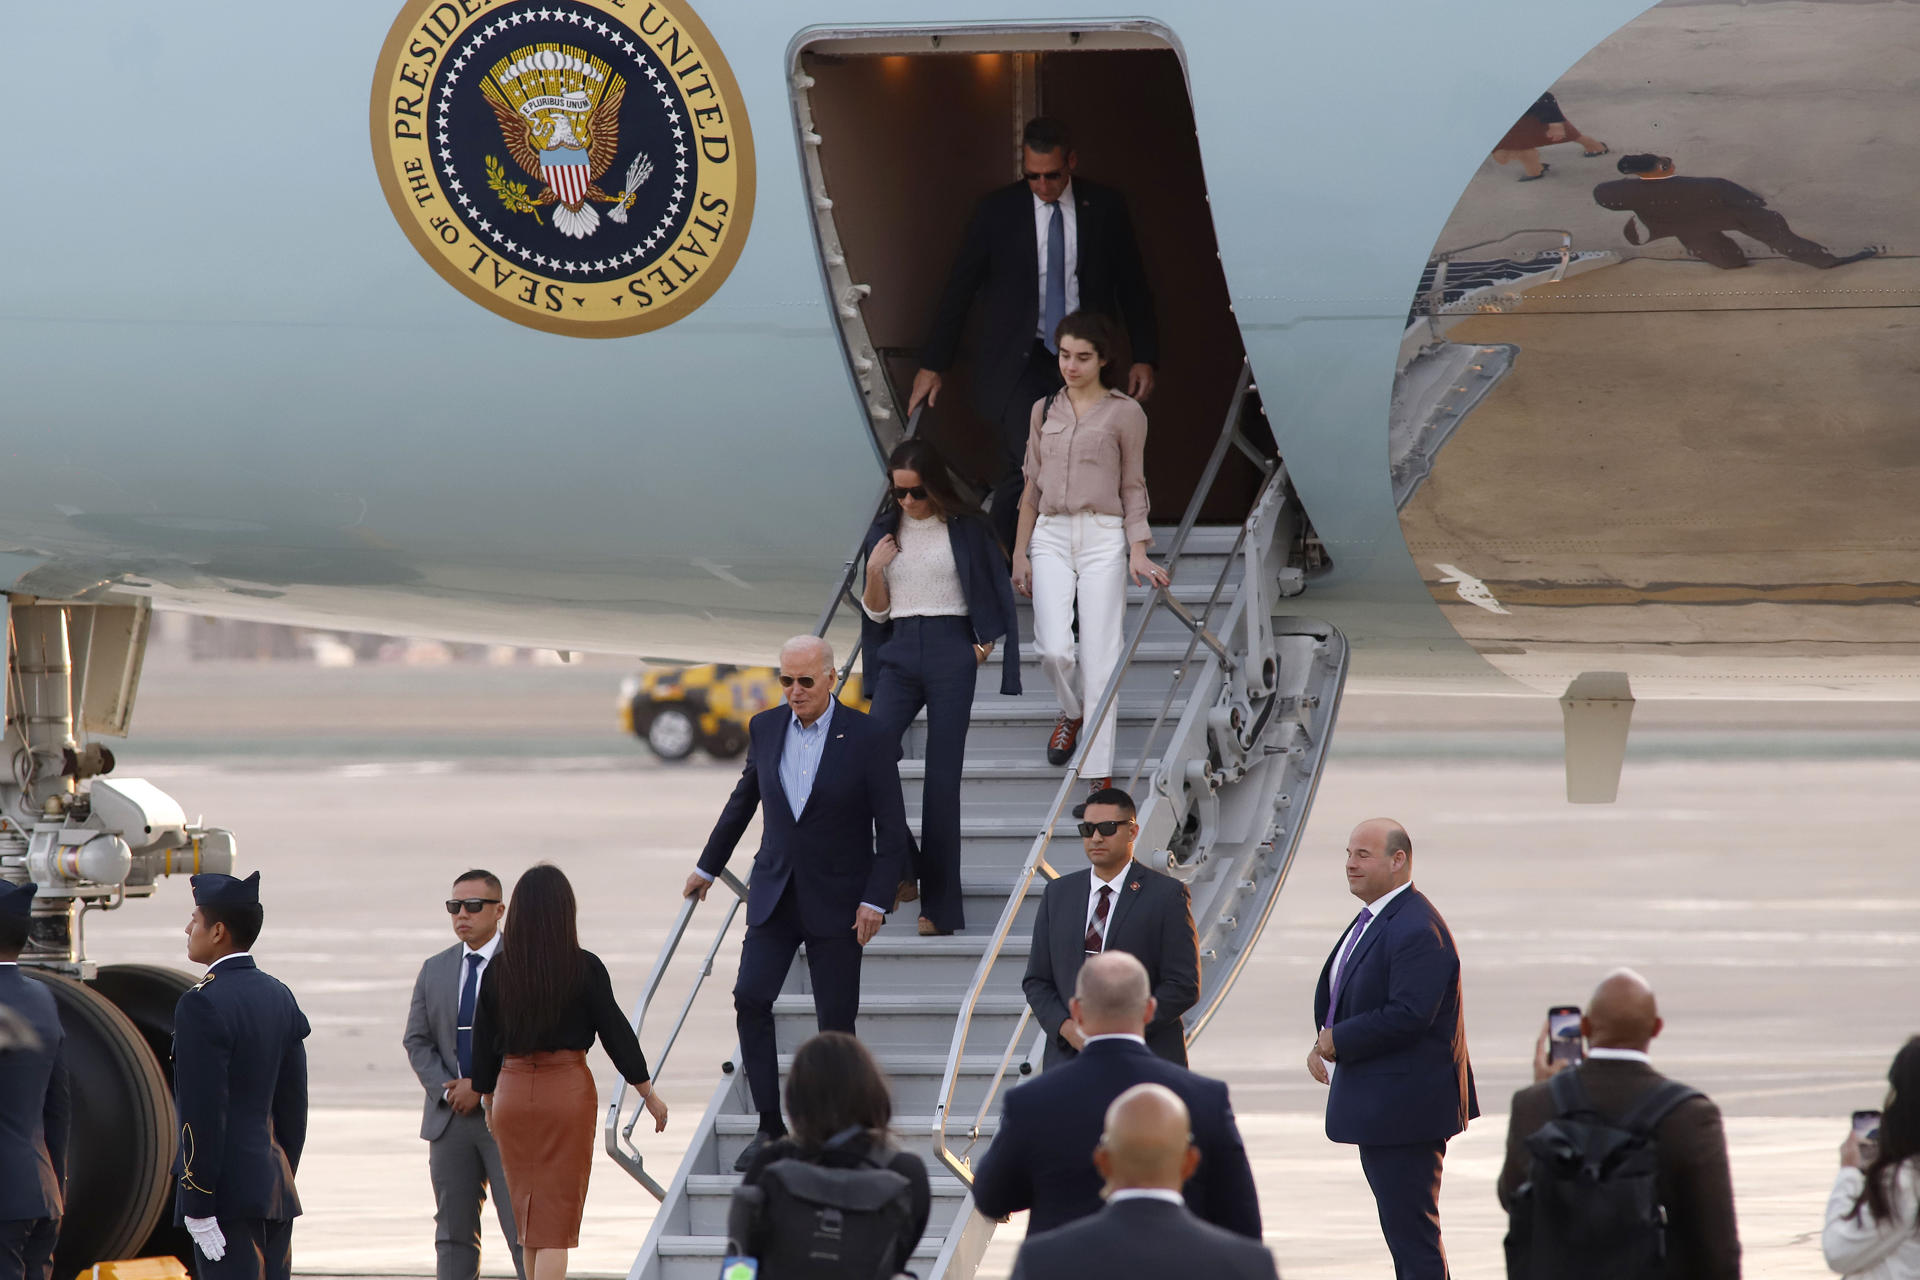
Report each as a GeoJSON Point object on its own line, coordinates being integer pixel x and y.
{"type": "Point", "coordinates": [1866, 1128]}
{"type": "Point", "coordinates": [1563, 1035]}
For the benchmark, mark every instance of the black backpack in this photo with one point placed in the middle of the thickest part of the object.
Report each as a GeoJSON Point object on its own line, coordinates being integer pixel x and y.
{"type": "Point", "coordinates": [1590, 1208]}
{"type": "Point", "coordinates": [810, 1221]}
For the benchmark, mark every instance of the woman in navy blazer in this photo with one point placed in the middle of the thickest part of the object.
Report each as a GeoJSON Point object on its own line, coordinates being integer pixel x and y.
{"type": "Point", "coordinates": [938, 597]}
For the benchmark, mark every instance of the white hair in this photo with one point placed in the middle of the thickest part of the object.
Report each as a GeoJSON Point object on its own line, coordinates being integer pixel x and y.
{"type": "Point", "coordinates": [806, 647]}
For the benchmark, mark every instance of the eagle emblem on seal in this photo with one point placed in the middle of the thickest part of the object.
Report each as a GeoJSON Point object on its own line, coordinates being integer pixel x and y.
{"type": "Point", "coordinates": [559, 113]}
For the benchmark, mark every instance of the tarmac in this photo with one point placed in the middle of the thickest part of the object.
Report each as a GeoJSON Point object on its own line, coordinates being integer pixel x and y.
{"type": "Point", "coordinates": [1753, 870]}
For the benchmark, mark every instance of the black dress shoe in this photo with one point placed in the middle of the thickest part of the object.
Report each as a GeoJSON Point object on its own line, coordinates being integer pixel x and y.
{"type": "Point", "coordinates": [761, 1141]}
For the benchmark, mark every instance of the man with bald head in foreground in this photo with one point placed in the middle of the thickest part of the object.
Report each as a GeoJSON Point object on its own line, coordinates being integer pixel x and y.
{"type": "Point", "coordinates": [1146, 1153]}
{"type": "Point", "coordinates": [1041, 1157]}
{"type": "Point", "coordinates": [1393, 1045]}
{"type": "Point", "coordinates": [833, 850]}
{"type": "Point", "coordinates": [1692, 1178]}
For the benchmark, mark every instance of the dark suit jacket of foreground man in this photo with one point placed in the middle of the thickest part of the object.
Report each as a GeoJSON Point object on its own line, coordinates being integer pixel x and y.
{"type": "Point", "coordinates": [34, 1111]}
{"type": "Point", "coordinates": [1042, 1157]}
{"type": "Point", "coordinates": [1402, 1085]}
{"type": "Point", "coordinates": [240, 1085]}
{"type": "Point", "coordinates": [1152, 921]}
{"type": "Point", "coordinates": [1703, 1241]}
{"type": "Point", "coordinates": [1142, 1239]}
{"type": "Point", "coordinates": [849, 845]}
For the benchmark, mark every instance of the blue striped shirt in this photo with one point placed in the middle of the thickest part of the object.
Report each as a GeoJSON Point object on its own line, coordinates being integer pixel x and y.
{"type": "Point", "coordinates": [800, 757]}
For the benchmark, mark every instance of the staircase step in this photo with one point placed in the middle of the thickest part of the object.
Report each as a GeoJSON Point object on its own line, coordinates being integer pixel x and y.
{"type": "Point", "coordinates": [908, 1132]}
{"type": "Point", "coordinates": [710, 1195]}
{"type": "Point", "coordinates": [698, 1257]}
{"type": "Point", "coordinates": [905, 1023]}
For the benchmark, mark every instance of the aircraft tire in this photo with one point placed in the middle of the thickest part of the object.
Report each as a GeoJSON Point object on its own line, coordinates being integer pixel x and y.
{"type": "Point", "coordinates": [147, 994]}
{"type": "Point", "coordinates": [120, 1147]}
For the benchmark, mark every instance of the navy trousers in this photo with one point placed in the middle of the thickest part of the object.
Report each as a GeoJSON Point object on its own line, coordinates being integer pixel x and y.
{"type": "Point", "coordinates": [26, 1248]}
{"type": "Point", "coordinates": [766, 955]}
{"type": "Point", "coordinates": [929, 663]}
{"type": "Point", "coordinates": [1406, 1192]}
{"type": "Point", "coordinates": [257, 1249]}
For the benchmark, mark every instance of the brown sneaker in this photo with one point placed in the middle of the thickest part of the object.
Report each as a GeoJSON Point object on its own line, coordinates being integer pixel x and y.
{"type": "Point", "coordinates": [1098, 784]}
{"type": "Point", "coordinates": [1060, 744]}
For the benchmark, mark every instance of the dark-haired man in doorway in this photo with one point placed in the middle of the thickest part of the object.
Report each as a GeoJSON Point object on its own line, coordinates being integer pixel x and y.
{"type": "Point", "coordinates": [1036, 251]}
{"type": "Point", "coordinates": [462, 1159]}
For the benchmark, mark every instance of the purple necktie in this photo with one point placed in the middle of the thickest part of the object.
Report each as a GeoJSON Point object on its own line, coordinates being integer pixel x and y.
{"type": "Point", "coordinates": [1340, 973]}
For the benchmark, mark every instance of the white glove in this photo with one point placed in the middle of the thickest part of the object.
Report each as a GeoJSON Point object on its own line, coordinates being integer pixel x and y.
{"type": "Point", "coordinates": [207, 1234]}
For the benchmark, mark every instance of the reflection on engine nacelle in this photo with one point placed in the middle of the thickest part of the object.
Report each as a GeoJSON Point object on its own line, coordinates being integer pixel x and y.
{"type": "Point", "coordinates": [1655, 409]}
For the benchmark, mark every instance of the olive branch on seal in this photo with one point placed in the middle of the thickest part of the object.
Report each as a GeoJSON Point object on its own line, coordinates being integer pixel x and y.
{"type": "Point", "coordinates": [512, 194]}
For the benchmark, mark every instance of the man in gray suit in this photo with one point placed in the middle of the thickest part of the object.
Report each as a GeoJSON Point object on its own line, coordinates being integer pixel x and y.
{"type": "Point", "coordinates": [462, 1158]}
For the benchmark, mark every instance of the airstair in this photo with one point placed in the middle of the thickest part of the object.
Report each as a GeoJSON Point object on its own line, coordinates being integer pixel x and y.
{"type": "Point", "coordinates": [1226, 701]}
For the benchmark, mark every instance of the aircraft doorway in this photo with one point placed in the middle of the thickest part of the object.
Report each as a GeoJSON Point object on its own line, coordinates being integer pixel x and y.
{"type": "Point", "coordinates": [903, 133]}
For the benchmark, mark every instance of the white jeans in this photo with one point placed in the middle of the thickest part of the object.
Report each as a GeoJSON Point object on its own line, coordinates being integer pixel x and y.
{"type": "Point", "coordinates": [1082, 554]}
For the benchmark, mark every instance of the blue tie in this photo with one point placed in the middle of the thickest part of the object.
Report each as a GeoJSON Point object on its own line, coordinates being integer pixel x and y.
{"type": "Point", "coordinates": [1056, 300]}
{"type": "Point", "coordinates": [463, 1034]}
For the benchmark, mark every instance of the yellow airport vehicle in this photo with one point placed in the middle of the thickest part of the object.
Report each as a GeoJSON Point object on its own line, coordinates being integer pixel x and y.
{"type": "Point", "coordinates": [676, 709]}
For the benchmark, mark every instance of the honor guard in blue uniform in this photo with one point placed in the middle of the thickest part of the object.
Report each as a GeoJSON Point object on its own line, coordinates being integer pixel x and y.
{"type": "Point", "coordinates": [240, 1085]}
{"type": "Point", "coordinates": [33, 1107]}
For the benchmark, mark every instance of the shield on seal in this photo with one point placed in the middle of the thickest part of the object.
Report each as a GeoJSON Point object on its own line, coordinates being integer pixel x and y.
{"type": "Point", "coordinates": [565, 170]}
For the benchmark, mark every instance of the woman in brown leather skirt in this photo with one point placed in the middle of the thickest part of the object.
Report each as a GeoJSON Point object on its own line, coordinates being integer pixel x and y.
{"type": "Point", "coordinates": [542, 1004]}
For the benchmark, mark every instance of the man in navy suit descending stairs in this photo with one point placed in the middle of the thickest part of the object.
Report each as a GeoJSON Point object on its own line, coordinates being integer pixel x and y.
{"type": "Point", "coordinates": [834, 848]}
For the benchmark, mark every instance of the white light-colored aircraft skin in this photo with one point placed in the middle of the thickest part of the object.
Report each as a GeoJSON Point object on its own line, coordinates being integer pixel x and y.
{"type": "Point", "coordinates": [232, 384]}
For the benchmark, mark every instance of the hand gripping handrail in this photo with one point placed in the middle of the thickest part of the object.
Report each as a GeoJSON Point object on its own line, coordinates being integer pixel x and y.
{"type": "Point", "coordinates": [619, 1137]}
{"type": "Point", "coordinates": [1036, 861]}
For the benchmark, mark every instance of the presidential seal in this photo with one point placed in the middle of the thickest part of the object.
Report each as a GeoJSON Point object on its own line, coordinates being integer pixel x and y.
{"type": "Point", "coordinates": [579, 166]}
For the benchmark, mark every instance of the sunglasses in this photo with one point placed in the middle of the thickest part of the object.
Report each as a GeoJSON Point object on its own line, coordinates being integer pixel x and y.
{"type": "Point", "coordinates": [469, 905]}
{"type": "Point", "coordinates": [787, 681]}
{"type": "Point", "coordinates": [918, 493]}
{"type": "Point", "coordinates": [1051, 175]}
{"type": "Point", "coordinates": [1105, 828]}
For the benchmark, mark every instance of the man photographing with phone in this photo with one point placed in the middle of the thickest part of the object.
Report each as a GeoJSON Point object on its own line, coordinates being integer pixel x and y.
{"type": "Point", "coordinates": [1677, 1129]}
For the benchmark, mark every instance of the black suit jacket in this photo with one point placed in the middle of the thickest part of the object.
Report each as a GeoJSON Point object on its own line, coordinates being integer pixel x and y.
{"type": "Point", "coordinates": [849, 845]}
{"type": "Point", "coordinates": [1142, 1240]}
{"type": "Point", "coordinates": [1152, 921]}
{"type": "Point", "coordinates": [986, 579]}
{"type": "Point", "coordinates": [34, 1106]}
{"type": "Point", "coordinates": [1703, 1241]}
{"type": "Point", "coordinates": [240, 1086]}
{"type": "Point", "coordinates": [999, 260]}
{"type": "Point", "coordinates": [1400, 1033]}
{"type": "Point", "coordinates": [1042, 1157]}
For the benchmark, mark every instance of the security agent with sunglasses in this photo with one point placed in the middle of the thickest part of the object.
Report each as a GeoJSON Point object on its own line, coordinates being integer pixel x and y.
{"type": "Point", "coordinates": [834, 847]}
{"type": "Point", "coordinates": [1036, 251]}
{"type": "Point", "coordinates": [1114, 905]}
{"type": "Point", "coordinates": [938, 598]}
{"type": "Point", "coordinates": [240, 1088]}
{"type": "Point", "coordinates": [462, 1160]}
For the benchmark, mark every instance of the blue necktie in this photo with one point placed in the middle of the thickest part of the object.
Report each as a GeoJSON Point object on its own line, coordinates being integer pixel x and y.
{"type": "Point", "coordinates": [1359, 927]}
{"type": "Point", "coordinates": [1056, 299]}
{"type": "Point", "coordinates": [463, 1034]}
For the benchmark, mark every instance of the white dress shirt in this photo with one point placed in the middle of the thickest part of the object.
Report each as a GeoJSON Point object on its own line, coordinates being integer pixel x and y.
{"type": "Point", "coordinates": [1147, 1193]}
{"type": "Point", "coordinates": [486, 958]}
{"type": "Point", "coordinates": [232, 955]}
{"type": "Point", "coordinates": [1118, 1035]}
{"type": "Point", "coordinates": [1340, 953]}
{"type": "Point", "coordinates": [1070, 219]}
{"type": "Point", "coordinates": [1094, 885]}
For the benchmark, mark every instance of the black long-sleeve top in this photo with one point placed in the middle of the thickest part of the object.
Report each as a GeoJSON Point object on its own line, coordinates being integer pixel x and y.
{"type": "Point", "coordinates": [592, 1011]}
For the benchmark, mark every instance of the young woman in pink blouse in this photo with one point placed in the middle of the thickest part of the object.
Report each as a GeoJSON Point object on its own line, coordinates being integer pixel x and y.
{"type": "Point", "coordinates": [1083, 533]}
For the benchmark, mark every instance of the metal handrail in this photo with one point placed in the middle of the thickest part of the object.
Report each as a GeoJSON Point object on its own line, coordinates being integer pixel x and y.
{"type": "Point", "coordinates": [1036, 860]}
{"type": "Point", "coordinates": [619, 1139]}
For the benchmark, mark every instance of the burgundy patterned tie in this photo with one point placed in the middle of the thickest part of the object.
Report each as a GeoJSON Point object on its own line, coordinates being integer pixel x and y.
{"type": "Point", "coordinates": [1340, 974]}
{"type": "Point", "coordinates": [1097, 926]}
